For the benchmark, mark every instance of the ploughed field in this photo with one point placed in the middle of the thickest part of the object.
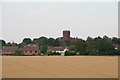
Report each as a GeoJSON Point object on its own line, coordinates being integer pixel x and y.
{"type": "Point", "coordinates": [59, 66]}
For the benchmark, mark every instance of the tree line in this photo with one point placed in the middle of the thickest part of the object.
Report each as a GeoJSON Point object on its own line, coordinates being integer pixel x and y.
{"type": "Point", "coordinates": [91, 46]}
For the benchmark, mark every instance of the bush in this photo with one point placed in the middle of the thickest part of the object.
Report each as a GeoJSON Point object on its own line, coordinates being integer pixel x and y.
{"type": "Point", "coordinates": [18, 53]}
{"type": "Point", "coordinates": [53, 53]}
{"type": "Point", "coordinates": [69, 53]}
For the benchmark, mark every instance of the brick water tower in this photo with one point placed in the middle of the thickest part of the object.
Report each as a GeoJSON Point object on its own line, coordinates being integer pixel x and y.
{"type": "Point", "coordinates": [66, 34]}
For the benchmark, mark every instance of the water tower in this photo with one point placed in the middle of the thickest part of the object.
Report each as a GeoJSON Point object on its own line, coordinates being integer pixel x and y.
{"type": "Point", "coordinates": [66, 34]}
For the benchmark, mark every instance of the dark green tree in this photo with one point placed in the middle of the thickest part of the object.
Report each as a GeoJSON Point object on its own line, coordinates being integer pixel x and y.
{"type": "Point", "coordinates": [2, 43]}
{"type": "Point", "coordinates": [81, 47]}
{"type": "Point", "coordinates": [115, 40]}
{"type": "Point", "coordinates": [18, 53]}
{"type": "Point", "coordinates": [65, 42]}
{"type": "Point", "coordinates": [70, 53]}
{"type": "Point", "coordinates": [35, 41]}
{"type": "Point", "coordinates": [106, 47]}
{"type": "Point", "coordinates": [56, 42]}
{"type": "Point", "coordinates": [51, 41]}
{"type": "Point", "coordinates": [43, 49]}
{"type": "Point", "coordinates": [27, 40]}
{"type": "Point", "coordinates": [9, 44]}
{"type": "Point", "coordinates": [91, 47]}
{"type": "Point", "coordinates": [43, 41]}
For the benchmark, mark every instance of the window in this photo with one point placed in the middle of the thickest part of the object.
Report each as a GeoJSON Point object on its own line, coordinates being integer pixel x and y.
{"type": "Point", "coordinates": [35, 51]}
{"type": "Point", "coordinates": [30, 51]}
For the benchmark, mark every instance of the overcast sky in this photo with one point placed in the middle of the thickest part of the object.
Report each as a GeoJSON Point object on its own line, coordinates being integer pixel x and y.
{"type": "Point", "coordinates": [35, 19]}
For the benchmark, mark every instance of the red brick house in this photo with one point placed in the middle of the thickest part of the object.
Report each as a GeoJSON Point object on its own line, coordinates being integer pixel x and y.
{"type": "Point", "coordinates": [31, 49]}
{"type": "Point", "coordinates": [8, 50]}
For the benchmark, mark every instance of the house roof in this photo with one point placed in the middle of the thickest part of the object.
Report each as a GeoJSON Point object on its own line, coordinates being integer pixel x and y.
{"type": "Point", "coordinates": [50, 48]}
{"type": "Point", "coordinates": [31, 47]}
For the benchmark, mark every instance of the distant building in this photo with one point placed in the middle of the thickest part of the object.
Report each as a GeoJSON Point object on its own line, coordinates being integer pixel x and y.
{"type": "Point", "coordinates": [31, 49]}
{"type": "Point", "coordinates": [66, 34]}
{"type": "Point", "coordinates": [8, 50]}
{"type": "Point", "coordinates": [57, 49]}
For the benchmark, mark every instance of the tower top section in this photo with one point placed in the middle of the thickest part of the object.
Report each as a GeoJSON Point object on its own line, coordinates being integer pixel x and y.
{"type": "Point", "coordinates": [66, 34]}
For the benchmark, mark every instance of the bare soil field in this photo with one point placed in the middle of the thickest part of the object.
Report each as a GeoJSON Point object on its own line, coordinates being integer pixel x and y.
{"type": "Point", "coordinates": [59, 67]}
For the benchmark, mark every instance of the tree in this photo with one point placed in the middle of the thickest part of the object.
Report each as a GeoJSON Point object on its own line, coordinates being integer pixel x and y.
{"type": "Point", "coordinates": [70, 53]}
{"type": "Point", "coordinates": [14, 44]}
{"type": "Point", "coordinates": [35, 41]}
{"type": "Point", "coordinates": [106, 47]}
{"type": "Point", "coordinates": [81, 47]}
{"type": "Point", "coordinates": [2, 43]}
{"type": "Point", "coordinates": [65, 42]}
{"type": "Point", "coordinates": [43, 49]}
{"type": "Point", "coordinates": [27, 40]}
{"type": "Point", "coordinates": [72, 47]}
{"type": "Point", "coordinates": [49, 53]}
{"type": "Point", "coordinates": [42, 41]}
{"type": "Point", "coordinates": [117, 52]}
{"type": "Point", "coordinates": [56, 42]}
{"type": "Point", "coordinates": [91, 47]}
{"type": "Point", "coordinates": [118, 41]}
{"type": "Point", "coordinates": [51, 41]}
{"type": "Point", "coordinates": [114, 40]}
{"type": "Point", "coordinates": [18, 53]}
{"type": "Point", "coordinates": [9, 44]}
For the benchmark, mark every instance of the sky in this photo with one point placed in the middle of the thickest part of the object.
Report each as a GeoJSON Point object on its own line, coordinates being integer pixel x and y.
{"type": "Point", "coordinates": [36, 19]}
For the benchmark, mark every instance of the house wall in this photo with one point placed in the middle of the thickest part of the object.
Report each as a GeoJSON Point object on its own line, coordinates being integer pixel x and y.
{"type": "Point", "coordinates": [66, 35]}
{"type": "Point", "coordinates": [7, 53]}
{"type": "Point", "coordinates": [30, 52]}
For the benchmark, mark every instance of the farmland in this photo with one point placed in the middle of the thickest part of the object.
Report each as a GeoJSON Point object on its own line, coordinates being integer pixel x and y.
{"type": "Point", "coordinates": [59, 66]}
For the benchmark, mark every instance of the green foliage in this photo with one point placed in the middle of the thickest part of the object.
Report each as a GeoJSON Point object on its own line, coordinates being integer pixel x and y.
{"type": "Point", "coordinates": [2, 43]}
{"type": "Point", "coordinates": [114, 40]}
{"type": "Point", "coordinates": [9, 44]}
{"type": "Point", "coordinates": [27, 40]}
{"type": "Point", "coordinates": [49, 53]}
{"type": "Point", "coordinates": [51, 41]}
{"type": "Point", "coordinates": [80, 47]}
{"type": "Point", "coordinates": [56, 42]}
{"type": "Point", "coordinates": [106, 47]}
{"type": "Point", "coordinates": [42, 41]}
{"type": "Point", "coordinates": [92, 46]}
{"type": "Point", "coordinates": [70, 53]}
{"type": "Point", "coordinates": [117, 52]}
{"type": "Point", "coordinates": [72, 47]}
{"type": "Point", "coordinates": [100, 46]}
{"type": "Point", "coordinates": [18, 53]}
{"type": "Point", "coordinates": [14, 44]}
{"type": "Point", "coordinates": [63, 43]}
{"type": "Point", "coordinates": [43, 49]}
{"type": "Point", "coordinates": [46, 41]}
{"type": "Point", "coordinates": [35, 41]}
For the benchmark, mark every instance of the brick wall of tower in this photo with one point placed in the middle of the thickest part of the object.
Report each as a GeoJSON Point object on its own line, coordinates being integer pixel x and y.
{"type": "Point", "coordinates": [66, 34]}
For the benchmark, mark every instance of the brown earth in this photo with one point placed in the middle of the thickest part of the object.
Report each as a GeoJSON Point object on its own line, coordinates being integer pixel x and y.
{"type": "Point", "coordinates": [59, 67]}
